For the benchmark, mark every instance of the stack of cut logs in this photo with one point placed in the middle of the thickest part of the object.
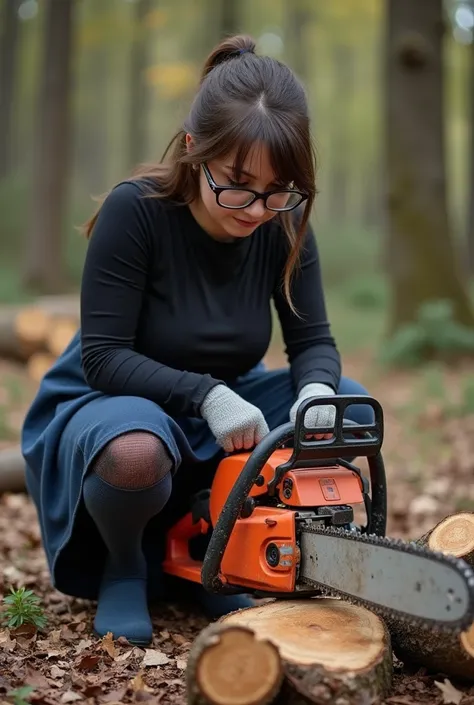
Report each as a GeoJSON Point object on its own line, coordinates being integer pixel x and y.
{"type": "Point", "coordinates": [36, 334]}
{"type": "Point", "coordinates": [324, 650]}
{"type": "Point", "coordinates": [33, 335]}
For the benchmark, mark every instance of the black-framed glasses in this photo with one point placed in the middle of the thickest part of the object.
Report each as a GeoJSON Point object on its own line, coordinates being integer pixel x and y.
{"type": "Point", "coordinates": [236, 197]}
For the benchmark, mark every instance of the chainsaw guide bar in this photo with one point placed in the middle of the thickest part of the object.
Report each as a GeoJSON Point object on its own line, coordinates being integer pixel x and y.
{"type": "Point", "coordinates": [393, 578]}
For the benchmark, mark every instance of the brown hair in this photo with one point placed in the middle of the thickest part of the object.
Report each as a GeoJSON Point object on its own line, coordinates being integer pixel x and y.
{"type": "Point", "coordinates": [242, 98]}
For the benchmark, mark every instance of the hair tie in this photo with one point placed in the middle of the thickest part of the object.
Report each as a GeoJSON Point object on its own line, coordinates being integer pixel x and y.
{"type": "Point", "coordinates": [244, 51]}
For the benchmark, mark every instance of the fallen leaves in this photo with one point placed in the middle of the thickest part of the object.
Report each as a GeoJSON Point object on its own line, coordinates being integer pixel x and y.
{"type": "Point", "coordinates": [155, 658]}
{"type": "Point", "coordinates": [451, 695]}
{"type": "Point", "coordinates": [57, 672]}
{"type": "Point", "coordinates": [66, 663]}
{"type": "Point", "coordinates": [70, 696]}
{"type": "Point", "coordinates": [88, 662]}
{"type": "Point", "coordinates": [138, 685]}
{"type": "Point", "coordinates": [108, 645]}
{"type": "Point", "coordinates": [6, 642]}
{"type": "Point", "coordinates": [35, 678]}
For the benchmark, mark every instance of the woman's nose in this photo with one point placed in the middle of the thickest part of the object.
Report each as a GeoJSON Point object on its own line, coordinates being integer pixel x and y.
{"type": "Point", "coordinates": [256, 210]}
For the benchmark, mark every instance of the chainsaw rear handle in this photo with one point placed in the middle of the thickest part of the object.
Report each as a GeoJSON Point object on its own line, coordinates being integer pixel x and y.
{"type": "Point", "coordinates": [310, 453]}
{"type": "Point", "coordinates": [306, 453]}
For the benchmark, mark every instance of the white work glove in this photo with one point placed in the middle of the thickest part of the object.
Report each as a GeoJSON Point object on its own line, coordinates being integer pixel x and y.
{"type": "Point", "coordinates": [235, 424]}
{"type": "Point", "coordinates": [316, 416]}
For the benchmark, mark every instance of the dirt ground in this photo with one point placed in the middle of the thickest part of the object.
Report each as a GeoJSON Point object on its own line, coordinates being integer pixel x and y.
{"type": "Point", "coordinates": [429, 456]}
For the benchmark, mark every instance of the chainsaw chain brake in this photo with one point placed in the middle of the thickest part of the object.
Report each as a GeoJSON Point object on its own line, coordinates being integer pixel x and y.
{"type": "Point", "coordinates": [458, 565]}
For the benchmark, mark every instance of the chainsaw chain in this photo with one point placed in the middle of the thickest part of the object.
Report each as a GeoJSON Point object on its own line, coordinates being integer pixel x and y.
{"type": "Point", "coordinates": [459, 565]}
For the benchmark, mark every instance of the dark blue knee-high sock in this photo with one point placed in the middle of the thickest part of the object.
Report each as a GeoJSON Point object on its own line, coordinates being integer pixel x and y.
{"type": "Point", "coordinates": [121, 516]}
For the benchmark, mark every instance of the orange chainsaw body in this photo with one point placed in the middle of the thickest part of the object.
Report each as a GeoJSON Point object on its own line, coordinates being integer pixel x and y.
{"type": "Point", "coordinates": [245, 561]}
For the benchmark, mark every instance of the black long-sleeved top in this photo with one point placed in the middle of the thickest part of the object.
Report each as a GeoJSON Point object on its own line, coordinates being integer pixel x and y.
{"type": "Point", "coordinates": [167, 311]}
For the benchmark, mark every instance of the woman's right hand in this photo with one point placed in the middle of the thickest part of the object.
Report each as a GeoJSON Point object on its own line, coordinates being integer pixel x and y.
{"type": "Point", "coordinates": [235, 424]}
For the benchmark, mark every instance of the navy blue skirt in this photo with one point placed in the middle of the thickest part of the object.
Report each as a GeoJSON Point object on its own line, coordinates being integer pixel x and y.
{"type": "Point", "coordinates": [69, 424]}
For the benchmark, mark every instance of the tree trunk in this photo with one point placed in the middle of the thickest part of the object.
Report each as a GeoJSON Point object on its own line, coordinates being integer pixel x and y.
{"type": "Point", "coordinates": [230, 18]}
{"type": "Point", "coordinates": [423, 263]}
{"type": "Point", "coordinates": [139, 91]}
{"type": "Point", "coordinates": [339, 194]}
{"type": "Point", "coordinates": [372, 196]}
{"type": "Point", "coordinates": [206, 34]}
{"type": "Point", "coordinates": [470, 182]}
{"type": "Point", "coordinates": [92, 137]}
{"type": "Point", "coordinates": [298, 18]}
{"type": "Point", "coordinates": [8, 73]}
{"type": "Point", "coordinates": [331, 651]}
{"type": "Point", "coordinates": [43, 271]}
{"type": "Point", "coordinates": [441, 653]}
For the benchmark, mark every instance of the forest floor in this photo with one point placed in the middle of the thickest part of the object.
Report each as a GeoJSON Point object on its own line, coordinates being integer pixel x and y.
{"type": "Point", "coordinates": [429, 457]}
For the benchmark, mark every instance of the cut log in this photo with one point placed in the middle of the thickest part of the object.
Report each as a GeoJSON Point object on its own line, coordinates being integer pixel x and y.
{"type": "Point", "coordinates": [230, 665]}
{"type": "Point", "coordinates": [454, 535]}
{"type": "Point", "coordinates": [38, 364]}
{"type": "Point", "coordinates": [12, 470]}
{"type": "Point", "coordinates": [24, 328]}
{"type": "Point", "coordinates": [332, 651]}
{"type": "Point", "coordinates": [439, 652]}
{"type": "Point", "coordinates": [467, 641]}
{"type": "Point", "coordinates": [31, 325]}
{"type": "Point", "coordinates": [13, 321]}
{"type": "Point", "coordinates": [60, 335]}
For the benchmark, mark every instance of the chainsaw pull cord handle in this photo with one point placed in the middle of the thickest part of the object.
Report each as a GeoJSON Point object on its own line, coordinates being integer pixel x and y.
{"type": "Point", "coordinates": [279, 436]}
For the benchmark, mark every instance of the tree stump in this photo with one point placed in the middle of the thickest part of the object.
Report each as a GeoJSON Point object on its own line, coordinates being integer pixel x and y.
{"type": "Point", "coordinates": [331, 652]}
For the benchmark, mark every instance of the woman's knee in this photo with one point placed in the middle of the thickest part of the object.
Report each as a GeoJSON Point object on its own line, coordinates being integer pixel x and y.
{"type": "Point", "coordinates": [133, 460]}
{"type": "Point", "coordinates": [360, 413]}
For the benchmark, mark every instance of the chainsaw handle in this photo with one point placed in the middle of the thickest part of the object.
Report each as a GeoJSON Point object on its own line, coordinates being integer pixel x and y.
{"type": "Point", "coordinates": [274, 439]}
{"type": "Point", "coordinates": [307, 451]}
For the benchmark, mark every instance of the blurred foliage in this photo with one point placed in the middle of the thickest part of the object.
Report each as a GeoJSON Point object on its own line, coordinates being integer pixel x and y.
{"type": "Point", "coordinates": [434, 335]}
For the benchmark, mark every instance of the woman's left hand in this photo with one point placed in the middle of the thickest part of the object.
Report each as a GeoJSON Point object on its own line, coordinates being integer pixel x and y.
{"type": "Point", "coordinates": [316, 416]}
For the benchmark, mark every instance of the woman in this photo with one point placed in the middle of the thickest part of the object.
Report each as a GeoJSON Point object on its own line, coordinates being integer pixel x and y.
{"type": "Point", "coordinates": [164, 376]}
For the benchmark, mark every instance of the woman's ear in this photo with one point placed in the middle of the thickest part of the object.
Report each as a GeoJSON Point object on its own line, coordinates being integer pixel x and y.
{"type": "Point", "coordinates": [189, 142]}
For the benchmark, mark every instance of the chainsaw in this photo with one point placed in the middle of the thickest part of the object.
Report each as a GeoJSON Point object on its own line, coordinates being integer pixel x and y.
{"type": "Point", "coordinates": [281, 524]}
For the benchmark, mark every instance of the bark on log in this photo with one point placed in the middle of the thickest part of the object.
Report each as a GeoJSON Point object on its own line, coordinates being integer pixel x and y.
{"type": "Point", "coordinates": [441, 653]}
{"type": "Point", "coordinates": [230, 665]}
{"type": "Point", "coordinates": [12, 470]}
{"type": "Point", "coordinates": [25, 329]}
{"type": "Point", "coordinates": [331, 651]}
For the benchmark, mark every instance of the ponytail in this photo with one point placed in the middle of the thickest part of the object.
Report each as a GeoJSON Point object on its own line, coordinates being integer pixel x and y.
{"type": "Point", "coordinates": [229, 48]}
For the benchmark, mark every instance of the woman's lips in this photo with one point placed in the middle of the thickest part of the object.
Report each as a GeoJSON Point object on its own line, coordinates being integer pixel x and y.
{"type": "Point", "coordinates": [247, 223]}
